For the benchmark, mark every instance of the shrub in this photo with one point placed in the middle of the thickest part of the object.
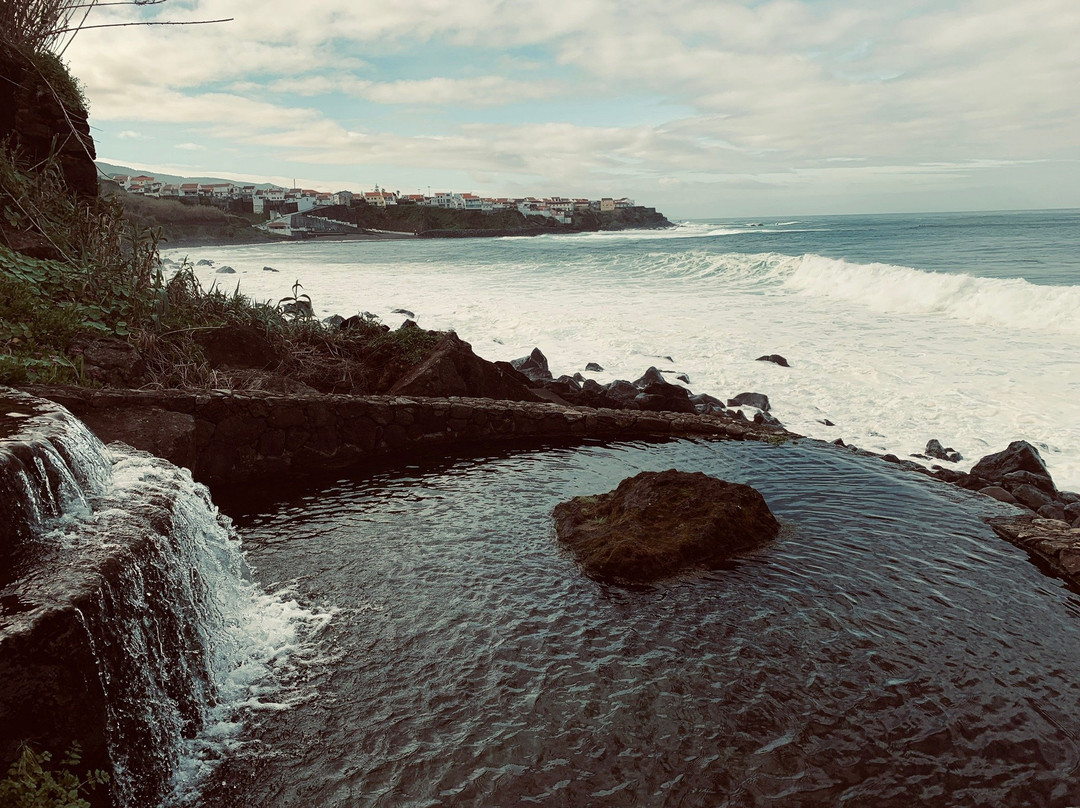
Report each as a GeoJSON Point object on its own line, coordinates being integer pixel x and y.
{"type": "Point", "coordinates": [33, 783]}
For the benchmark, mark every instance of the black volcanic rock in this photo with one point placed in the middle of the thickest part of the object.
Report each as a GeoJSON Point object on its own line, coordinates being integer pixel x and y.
{"type": "Point", "coordinates": [534, 366]}
{"type": "Point", "coordinates": [664, 397]}
{"type": "Point", "coordinates": [237, 346]}
{"type": "Point", "coordinates": [658, 523]}
{"type": "Point", "coordinates": [758, 400]}
{"type": "Point", "coordinates": [1019, 456]}
{"type": "Point", "coordinates": [1031, 496]}
{"type": "Point", "coordinates": [776, 359]}
{"type": "Point", "coordinates": [651, 376]}
{"type": "Point", "coordinates": [452, 369]}
{"type": "Point", "coordinates": [935, 450]}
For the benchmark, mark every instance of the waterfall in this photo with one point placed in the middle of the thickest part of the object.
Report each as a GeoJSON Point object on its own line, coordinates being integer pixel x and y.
{"type": "Point", "coordinates": [128, 618]}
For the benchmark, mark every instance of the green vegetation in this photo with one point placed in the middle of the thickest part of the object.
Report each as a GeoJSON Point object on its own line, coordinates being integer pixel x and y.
{"type": "Point", "coordinates": [180, 222]}
{"type": "Point", "coordinates": [101, 279]}
{"type": "Point", "coordinates": [105, 280]}
{"type": "Point", "coordinates": [33, 783]}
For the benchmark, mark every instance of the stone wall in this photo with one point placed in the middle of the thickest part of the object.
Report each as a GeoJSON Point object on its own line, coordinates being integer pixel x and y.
{"type": "Point", "coordinates": [229, 437]}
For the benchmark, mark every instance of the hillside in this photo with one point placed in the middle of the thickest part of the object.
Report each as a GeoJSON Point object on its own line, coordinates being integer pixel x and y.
{"type": "Point", "coordinates": [181, 223]}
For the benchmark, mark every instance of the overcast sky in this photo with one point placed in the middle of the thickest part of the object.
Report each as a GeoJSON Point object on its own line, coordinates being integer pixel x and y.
{"type": "Point", "coordinates": [703, 109]}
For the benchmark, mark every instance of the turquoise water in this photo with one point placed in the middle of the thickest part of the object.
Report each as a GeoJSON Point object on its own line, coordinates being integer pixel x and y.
{"type": "Point", "coordinates": [1042, 247]}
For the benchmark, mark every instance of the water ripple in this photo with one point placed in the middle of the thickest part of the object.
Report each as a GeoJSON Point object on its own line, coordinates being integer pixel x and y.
{"type": "Point", "coordinates": [887, 649]}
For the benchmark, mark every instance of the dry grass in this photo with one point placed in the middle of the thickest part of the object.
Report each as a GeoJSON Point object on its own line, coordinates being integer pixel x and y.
{"type": "Point", "coordinates": [36, 24]}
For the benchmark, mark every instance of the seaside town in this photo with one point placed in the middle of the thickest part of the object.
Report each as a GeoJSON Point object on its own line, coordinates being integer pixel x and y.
{"type": "Point", "coordinates": [275, 202]}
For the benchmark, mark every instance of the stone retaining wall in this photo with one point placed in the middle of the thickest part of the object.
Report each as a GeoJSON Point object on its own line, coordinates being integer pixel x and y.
{"type": "Point", "coordinates": [228, 437]}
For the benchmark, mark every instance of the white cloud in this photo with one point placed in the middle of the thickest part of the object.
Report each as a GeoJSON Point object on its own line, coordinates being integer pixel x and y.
{"type": "Point", "coordinates": [775, 89]}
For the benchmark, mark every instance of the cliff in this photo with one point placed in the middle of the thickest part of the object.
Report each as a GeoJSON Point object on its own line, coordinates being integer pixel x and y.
{"type": "Point", "coordinates": [438, 222]}
{"type": "Point", "coordinates": [41, 111]}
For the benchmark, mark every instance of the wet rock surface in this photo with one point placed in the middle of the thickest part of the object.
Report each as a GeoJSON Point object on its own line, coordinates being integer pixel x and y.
{"type": "Point", "coordinates": [658, 523]}
{"type": "Point", "coordinates": [452, 369]}
{"type": "Point", "coordinates": [240, 437]}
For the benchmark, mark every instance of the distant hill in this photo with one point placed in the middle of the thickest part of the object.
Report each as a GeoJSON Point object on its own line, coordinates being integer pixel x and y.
{"type": "Point", "coordinates": [111, 169]}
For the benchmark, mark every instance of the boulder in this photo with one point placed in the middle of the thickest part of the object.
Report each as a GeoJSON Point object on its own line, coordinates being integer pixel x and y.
{"type": "Point", "coordinates": [664, 397]}
{"type": "Point", "coordinates": [1015, 478]}
{"type": "Point", "coordinates": [236, 346]}
{"type": "Point", "coordinates": [452, 369]}
{"type": "Point", "coordinates": [972, 482]}
{"type": "Point", "coordinates": [1031, 496]}
{"type": "Point", "coordinates": [592, 367]}
{"type": "Point", "coordinates": [111, 361]}
{"type": "Point", "coordinates": [269, 269]}
{"type": "Point", "coordinates": [826, 422]}
{"type": "Point", "coordinates": [998, 493]}
{"type": "Point", "coordinates": [1019, 456]}
{"type": "Point", "coordinates": [357, 321]}
{"type": "Point", "coordinates": [766, 419]}
{"type": "Point", "coordinates": [534, 366]}
{"type": "Point", "coordinates": [619, 393]}
{"type": "Point", "coordinates": [592, 386]}
{"type": "Point", "coordinates": [1072, 511]}
{"type": "Point", "coordinates": [204, 262]}
{"type": "Point", "coordinates": [1052, 510]}
{"type": "Point", "coordinates": [406, 312]}
{"type": "Point", "coordinates": [408, 324]}
{"type": "Point", "coordinates": [682, 377]}
{"type": "Point", "coordinates": [651, 376]}
{"type": "Point", "coordinates": [758, 400]}
{"type": "Point", "coordinates": [776, 359]}
{"type": "Point", "coordinates": [935, 450]}
{"type": "Point", "coordinates": [658, 523]}
{"type": "Point", "coordinates": [704, 404]}
{"type": "Point", "coordinates": [334, 320]}
{"type": "Point", "coordinates": [225, 271]}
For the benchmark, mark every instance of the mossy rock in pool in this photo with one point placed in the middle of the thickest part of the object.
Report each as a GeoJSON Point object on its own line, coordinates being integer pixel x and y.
{"type": "Point", "coordinates": [656, 524]}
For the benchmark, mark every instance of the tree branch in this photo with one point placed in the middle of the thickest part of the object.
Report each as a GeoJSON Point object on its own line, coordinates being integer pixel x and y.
{"type": "Point", "coordinates": [126, 24]}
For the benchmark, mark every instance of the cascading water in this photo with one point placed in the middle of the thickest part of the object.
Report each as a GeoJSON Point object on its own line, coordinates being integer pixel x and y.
{"type": "Point", "coordinates": [128, 621]}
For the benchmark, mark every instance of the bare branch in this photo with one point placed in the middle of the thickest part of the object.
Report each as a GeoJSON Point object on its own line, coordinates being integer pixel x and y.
{"type": "Point", "coordinates": [118, 3]}
{"type": "Point", "coordinates": [127, 24]}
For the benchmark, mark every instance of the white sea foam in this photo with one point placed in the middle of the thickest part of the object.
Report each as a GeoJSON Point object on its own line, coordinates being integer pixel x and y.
{"type": "Point", "coordinates": [1011, 303]}
{"type": "Point", "coordinates": [893, 355]}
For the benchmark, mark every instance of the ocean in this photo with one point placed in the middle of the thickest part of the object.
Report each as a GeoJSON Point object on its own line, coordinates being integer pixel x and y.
{"type": "Point", "coordinates": [964, 327]}
{"type": "Point", "coordinates": [887, 648]}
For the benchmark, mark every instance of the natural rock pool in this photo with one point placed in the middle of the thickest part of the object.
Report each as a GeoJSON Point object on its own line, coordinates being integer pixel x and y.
{"type": "Point", "coordinates": [887, 649]}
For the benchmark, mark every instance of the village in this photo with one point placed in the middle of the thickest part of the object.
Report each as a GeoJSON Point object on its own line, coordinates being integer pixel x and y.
{"type": "Point", "coordinates": [278, 203]}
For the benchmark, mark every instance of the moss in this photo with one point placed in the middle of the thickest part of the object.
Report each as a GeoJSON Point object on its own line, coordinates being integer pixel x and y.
{"type": "Point", "coordinates": [58, 78]}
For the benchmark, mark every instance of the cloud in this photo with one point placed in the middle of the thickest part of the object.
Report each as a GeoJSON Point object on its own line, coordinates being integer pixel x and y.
{"type": "Point", "coordinates": [480, 91]}
{"type": "Point", "coordinates": [131, 134]}
{"type": "Point", "coordinates": [190, 147]}
{"type": "Point", "coordinates": [785, 90]}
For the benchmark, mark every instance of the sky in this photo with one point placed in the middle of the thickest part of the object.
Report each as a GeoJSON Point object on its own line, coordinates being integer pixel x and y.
{"type": "Point", "coordinates": [701, 109]}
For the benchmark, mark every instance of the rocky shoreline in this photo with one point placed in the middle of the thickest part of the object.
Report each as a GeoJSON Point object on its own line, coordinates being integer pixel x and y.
{"type": "Point", "coordinates": [454, 398]}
